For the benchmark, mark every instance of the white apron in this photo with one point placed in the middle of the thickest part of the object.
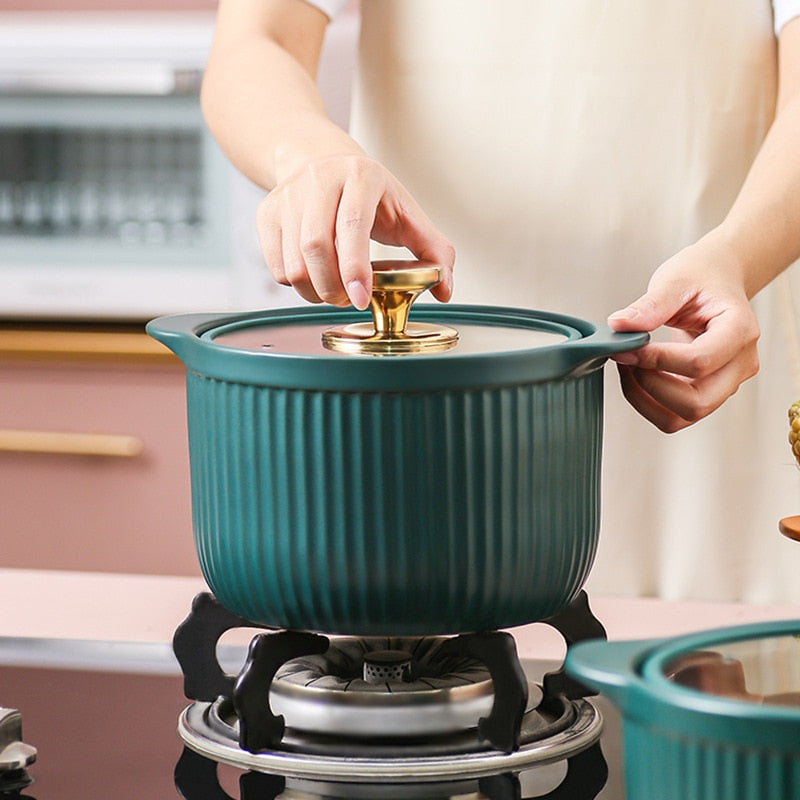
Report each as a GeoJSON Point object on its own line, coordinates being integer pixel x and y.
{"type": "Point", "coordinates": [567, 148]}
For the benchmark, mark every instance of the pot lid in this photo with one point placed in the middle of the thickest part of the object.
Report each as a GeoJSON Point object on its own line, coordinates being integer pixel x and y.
{"type": "Point", "coordinates": [738, 686]}
{"type": "Point", "coordinates": [303, 336]}
{"type": "Point", "coordinates": [387, 329]}
{"type": "Point", "coordinates": [433, 346]}
{"type": "Point", "coordinates": [753, 664]}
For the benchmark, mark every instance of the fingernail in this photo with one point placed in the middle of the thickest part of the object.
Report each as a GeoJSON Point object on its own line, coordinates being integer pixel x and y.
{"type": "Point", "coordinates": [631, 312]}
{"type": "Point", "coordinates": [448, 280]}
{"type": "Point", "coordinates": [358, 294]}
{"type": "Point", "coordinates": [629, 359]}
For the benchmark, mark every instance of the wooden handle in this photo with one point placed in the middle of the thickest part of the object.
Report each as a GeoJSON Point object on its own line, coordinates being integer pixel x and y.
{"type": "Point", "coordinates": [83, 346]}
{"type": "Point", "coordinates": [70, 444]}
{"type": "Point", "coordinates": [790, 527]}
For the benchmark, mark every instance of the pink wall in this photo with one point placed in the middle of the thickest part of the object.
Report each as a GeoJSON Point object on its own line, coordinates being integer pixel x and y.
{"type": "Point", "coordinates": [114, 5]}
{"type": "Point", "coordinates": [107, 5]}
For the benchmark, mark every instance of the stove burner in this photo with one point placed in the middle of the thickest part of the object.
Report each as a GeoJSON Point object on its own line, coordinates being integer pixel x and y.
{"type": "Point", "coordinates": [260, 728]}
{"type": "Point", "coordinates": [408, 709]}
{"type": "Point", "coordinates": [357, 689]}
{"type": "Point", "coordinates": [383, 666]}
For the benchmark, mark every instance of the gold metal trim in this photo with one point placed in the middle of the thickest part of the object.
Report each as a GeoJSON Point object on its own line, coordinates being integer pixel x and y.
{"type": "Point", "coordinates": [396, 285]}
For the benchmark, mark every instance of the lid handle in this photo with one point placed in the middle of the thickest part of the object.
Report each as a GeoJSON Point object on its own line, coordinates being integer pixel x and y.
{"type": "Point", "coordinates": [395, 286]}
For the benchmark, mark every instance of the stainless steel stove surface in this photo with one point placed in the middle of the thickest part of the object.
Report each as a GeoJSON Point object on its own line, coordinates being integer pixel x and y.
{"type": "Point", "coordinates": [105, 723]}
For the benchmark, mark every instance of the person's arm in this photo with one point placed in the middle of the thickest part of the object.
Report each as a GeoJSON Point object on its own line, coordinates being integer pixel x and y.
{"type": "Point", "coordinates": [326, 198]}
{"type": "Point", "coordinates": [703, 292]}
{"type": "Point", "coordinates": [763, 226]}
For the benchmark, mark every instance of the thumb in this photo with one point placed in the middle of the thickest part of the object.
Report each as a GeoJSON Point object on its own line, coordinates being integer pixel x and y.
{"type": "Point", "coordinates": [647, 313]}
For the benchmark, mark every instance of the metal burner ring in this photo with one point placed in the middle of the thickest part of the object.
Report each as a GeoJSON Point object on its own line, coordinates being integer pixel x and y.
{"type": "Point", "coordinates": [365, 688]}
{"type": "Point", "coordinates": [198, 735]}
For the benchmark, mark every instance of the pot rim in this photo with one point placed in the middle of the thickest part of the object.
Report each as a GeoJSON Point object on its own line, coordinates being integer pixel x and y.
{"type": "Point", "coordinates": [585, 348]}
{"type": "Point", "coordinates": [652, 669]}
{"type": "Point", "coordinates": [631, 674]}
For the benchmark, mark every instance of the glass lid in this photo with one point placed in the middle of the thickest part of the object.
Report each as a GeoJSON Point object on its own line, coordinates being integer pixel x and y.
{"type": "Point", "coordinates": [763, 670]}
{"type": "Point", "coordinates": [389, 329]}
{"type": "Point", "coordinates": [306, 336]}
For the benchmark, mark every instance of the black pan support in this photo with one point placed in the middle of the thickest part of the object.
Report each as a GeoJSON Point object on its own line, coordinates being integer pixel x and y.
{"type": "Point", "coordinates": [195, 642]}
{"type": "Point", "coordinates": [259, 728]}
{"type": "Point", "coordinates": [576, 623]}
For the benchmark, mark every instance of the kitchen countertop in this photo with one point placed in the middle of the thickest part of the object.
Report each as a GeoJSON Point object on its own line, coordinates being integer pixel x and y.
{"type": "Point", "coordinates": [126, 622]}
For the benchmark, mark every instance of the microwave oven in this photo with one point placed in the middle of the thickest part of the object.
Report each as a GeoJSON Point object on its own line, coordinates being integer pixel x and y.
{"type": "Point", "coordinates": [115, 201]}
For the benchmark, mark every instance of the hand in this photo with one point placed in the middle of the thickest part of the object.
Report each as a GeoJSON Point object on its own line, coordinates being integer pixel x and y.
{"type": "Point", "coordinates": [315, 227]}
{"type": "Point", "coordinates": [699, 294]}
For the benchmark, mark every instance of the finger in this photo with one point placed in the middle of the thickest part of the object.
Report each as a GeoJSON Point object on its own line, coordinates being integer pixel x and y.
{"type": "Point", "coordinates": [707, 354]}
{"type": "Point", "coordinates": [444, 255]}
{"type": "Point", "coordinates": [270, 240]}
{"type": "Point", "coordinates": [354, 222]}
{"type": "Point", "coordinates": [426, 242]}
{"type": "Point", "coordinates": [294, 264]}
{"type": "Point", "coordinates": [643, 402]}
{"type": "Point", "coordinates": [414, 230]}
{"type": "Point", "coordinates": [646, 313]}
{"type": "Point", "coordinates": [690, 399]}
{"type": "Point", "coordinates": [317, 243]}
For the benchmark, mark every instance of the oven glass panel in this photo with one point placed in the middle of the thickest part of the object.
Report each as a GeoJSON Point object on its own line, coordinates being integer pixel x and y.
{"type": "Point", "coordinates": [136, 187]}
{"type": "Point", "coordinates": [111, 181]}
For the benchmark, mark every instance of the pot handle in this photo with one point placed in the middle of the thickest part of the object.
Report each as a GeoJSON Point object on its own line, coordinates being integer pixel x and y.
{"type": "Point", "coordinates": [179, 332]}
{"type": "Point", "coordinates": [611, 668]}
{"type": "Point", "coordinates": [605, 342]}
{"type": "Point", "coordinates": [586, 354]}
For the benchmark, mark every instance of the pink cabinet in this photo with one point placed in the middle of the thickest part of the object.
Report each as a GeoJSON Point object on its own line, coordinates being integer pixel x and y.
{"type": "Point", "coordinates": [94, 471]}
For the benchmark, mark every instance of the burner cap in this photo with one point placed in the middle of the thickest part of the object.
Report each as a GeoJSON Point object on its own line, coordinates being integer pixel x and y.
{"type": "Point", "coordinates": [381, 666]}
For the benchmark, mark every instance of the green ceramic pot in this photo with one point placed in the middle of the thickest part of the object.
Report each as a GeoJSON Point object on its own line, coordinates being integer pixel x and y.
{"type": "Point", "coordinates": [407, 494]}
{"type": "Point", "coordinates": [711, 715]}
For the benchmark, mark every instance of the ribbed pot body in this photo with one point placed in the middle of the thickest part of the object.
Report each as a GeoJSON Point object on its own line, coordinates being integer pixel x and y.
{"type": "Point", "coordinates": [680, 765]}
{"type": "Point", "coordinates": [400, 513]}
{"type": "Point", "coordinates": [711, 714]}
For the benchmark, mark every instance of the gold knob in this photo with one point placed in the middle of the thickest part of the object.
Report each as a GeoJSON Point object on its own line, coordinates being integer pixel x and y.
{"type": "Point", "coordinates": [394, 289]}
{"type": "Point", "coordinates": [395, 286]}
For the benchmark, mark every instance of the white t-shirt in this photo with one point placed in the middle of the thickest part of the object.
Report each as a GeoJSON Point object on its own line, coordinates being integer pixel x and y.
{"type": "Point", "coordinates": [783, 10]}
{"type": "Point", "coordinates": [332, 7]}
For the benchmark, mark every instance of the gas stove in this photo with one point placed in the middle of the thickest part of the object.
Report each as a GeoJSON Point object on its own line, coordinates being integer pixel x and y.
{"type": "Point", "coordinates": [344, 717]}
{"type": "Point", "coordinates": [111, 734]}
{"type": "Point", "coordinates": [87, 658]}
